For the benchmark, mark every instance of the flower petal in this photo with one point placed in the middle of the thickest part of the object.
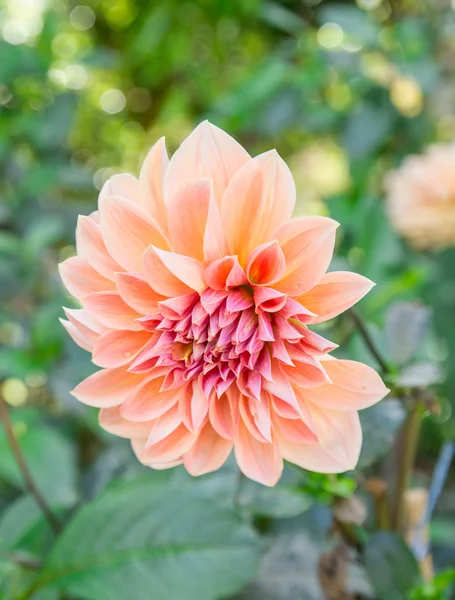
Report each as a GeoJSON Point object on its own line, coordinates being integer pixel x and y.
{"type": "Point", "coordinates": [307, 244]}
{"type": "Point", "coordinates": [137, 293]}
{"type": "Point", "coordinates": [123, 185]}
{"type": "Point", "coordinates": [161, 278]}
{"type": "Point", "coordinates": [127, 231]}
{"type": "Point", "coordinates": [266, 264]}
{"type": "Point", "coordinates": [171, 448]}
{"type": "Point", "coordinates": [118, 348]}
{"type": "Point", "coordinates": [221, 416]}
{"type": "Point", "coordinates": [258, 461]}
{"type": "Point", "coordinates": [146, 402]}
{"type": "Point", "coordinates": [225, 273]}
{"type": "Point", "coordinates": [81, 339]}
{"type": "Point", "coordinates": [208, 453]}
{"type": "Point", "coordinates": [208, 152]}
{"type": "Point", "coordinates": [108, 387]}
{"type": "Point", "coordinates": [259, 198]}
{"type": "Point", "coordinates": [334, 293]}
{"type": "Point", "coordinates": [111, 420]}
{"type": "Point", "coordinates": [111, 311]}
{"type": "Point", "coordinates": [80, 279]}
{"type": "Point", "coordinates": [187, 270]}
{"type": "Point", "coordinates": [90, 245]}
{"type": "Point", "coordinates": [151, 180]}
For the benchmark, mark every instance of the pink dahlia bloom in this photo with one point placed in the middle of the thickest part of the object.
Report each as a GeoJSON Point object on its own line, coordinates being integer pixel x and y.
{"type": "Point", "coordinates": [197, 290]}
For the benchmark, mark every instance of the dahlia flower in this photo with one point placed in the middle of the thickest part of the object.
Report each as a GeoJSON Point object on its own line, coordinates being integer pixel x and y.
{"type": "Point", "coordinates": [421, 198]}
{"type": "Point", "coordinates": [197, 293]}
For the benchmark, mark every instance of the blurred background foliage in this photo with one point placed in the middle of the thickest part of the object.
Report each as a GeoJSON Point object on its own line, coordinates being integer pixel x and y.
{"type": "Point", "coordinates": [344, 91]}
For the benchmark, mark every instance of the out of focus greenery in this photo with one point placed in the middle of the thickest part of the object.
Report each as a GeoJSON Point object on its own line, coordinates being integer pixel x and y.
{"type": "Point", "coordinates": [344, 91]}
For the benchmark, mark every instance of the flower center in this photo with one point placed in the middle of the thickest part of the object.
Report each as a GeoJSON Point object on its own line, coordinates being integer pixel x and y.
{"type": "Point", "coordinates": [223, 336]}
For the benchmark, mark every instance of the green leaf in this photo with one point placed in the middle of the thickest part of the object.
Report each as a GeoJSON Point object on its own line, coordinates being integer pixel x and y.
{"type": "Point", "coordinates": [278, 502]}
{"type": "Point", "coordinates": [49, 456]}
{"type": "Point", "coordinates": [406, 326]}
{"type": "Point", "coordinates": [379, 425]}
{"type": "Point", "coordinates": [145, 539]}
{"type": "Point", "coordinates": [391, 566]}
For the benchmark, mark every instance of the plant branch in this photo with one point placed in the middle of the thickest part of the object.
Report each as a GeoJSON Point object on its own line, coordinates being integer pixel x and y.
{"type": "Point", "coordinates": [28, 479]}
{"type": "Point", "coordinates": [358, 321]}
{"type": "Point", "coordinates": [410, 438]}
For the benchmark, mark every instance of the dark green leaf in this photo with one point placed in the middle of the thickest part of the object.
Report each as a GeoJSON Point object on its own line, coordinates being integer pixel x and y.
{"type": "Point", "coordinates": [379, 425]}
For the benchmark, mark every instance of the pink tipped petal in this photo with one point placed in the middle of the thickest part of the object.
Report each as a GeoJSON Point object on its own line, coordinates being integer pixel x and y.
{"type": "Point", "coordinates": [258, 461]}
{"type": "Point", "coordinates": [209, 452]}
{"type": "Point", "coordinates": [123, 185]}
{"type": "Point", "coordinates": [339, 441]}
{"type": "Point", "coordinates": [188, 212]}
{"type": "Point", "coordinates": [187, 270]}
{"type": "Point", "coordinates": [80, 279]}
{"type": "Point", "coordinates": [225, 273]}
{"type": "Point", "coordinates": [137, 293]}
{"type": "Point", "coordinates": [111, 311]}
{"type": "Point", "coordinates": [208, 152]}
{"type": "Point", "coordinates": [335, 293]}
{"type": "Point", "coordinates": [160, 278]}
{"type": "Point", "coordinates": [268, 299]}
{"type": "Point", "coordinates": [259, 198]}
{"type": "Point", "coordinates": [128, 231]}
{"type": "Point", "coordinates": [81, 339]}
{"type": "Point", "coordinates": [151, 184]}
{"type": "Point", "coordinates": [118, 348]}
{"type": "Point", "coordinates": [111, 421]}
{"type": "Point", "coordinates": [146, 402]}
{"type": "Point", "coordinates": [354, 386]}
{"type": "Point", "coordinates": [307, 244]}
{"type": "Point", "coordinates": [105, 388]}
{"type": "Point", "coordinates": [171, 448]}
{"type": "Point", "coordinates": [266, 264]}
{"type": "Point", "coordinates": [90, 245]}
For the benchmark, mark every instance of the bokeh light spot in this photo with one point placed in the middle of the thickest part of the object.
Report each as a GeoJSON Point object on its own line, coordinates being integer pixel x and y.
{"type": "Point", "coordinates": [112, 101]}
{"type": "Point", "coordinates": [15, 392]}
{"type": "Point", "coordinates": [82, 17]}
{"type": "Point", "coordinates": [330, 36]}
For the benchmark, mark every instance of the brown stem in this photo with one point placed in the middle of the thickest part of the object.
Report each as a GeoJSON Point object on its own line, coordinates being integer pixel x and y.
{"type": "Point", "coordinates": [358, 321]}
{"type": "Point", "coordinates": [378, 490]}
{"type": "Point", "coordinates": [28, 480]}
{"type": "Point", "coordinates": [410, 437]}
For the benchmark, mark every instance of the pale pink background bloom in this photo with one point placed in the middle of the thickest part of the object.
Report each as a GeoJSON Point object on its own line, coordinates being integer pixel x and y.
{"type": "Point", "coordinates": [421, 198]}
{"type": "Point", "coordinates": [197, 291]}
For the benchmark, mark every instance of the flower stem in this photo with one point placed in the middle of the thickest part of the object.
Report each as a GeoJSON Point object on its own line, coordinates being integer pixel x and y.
{"type": "Point", "coordinates": [358, 321]}
{"type": "Point", "coordinates": [28, 479]}
{"type": "Point", "coordinates": [410, 437]}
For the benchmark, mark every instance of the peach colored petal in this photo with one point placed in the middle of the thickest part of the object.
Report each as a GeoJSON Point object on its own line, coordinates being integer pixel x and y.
{"type": "Point", "coordinates": [123, 185]}
{"type": "Point", "coordinates": [127, 231]}
{"type": "Point", "coordinates": [147, 402]}
{"type": "Point", "coordinates": [249, 419]}
{"type": "Point", "coordinates": [214, 244]}
{"type": "Point", "coordinates": [208, 453]}
{"type": "Point", "coordinates": [118, 348]}
{"type": "Point", "coordinates": [194, 407]}
{"type": "Point", "coordinates": [151, 181]}
{"type": "Point", "coordinates": [188, 211]}
{"type": "Point", "coordinates": [160, 278]}
{"type": "Point", "coordinates": [354, 386]}
{"type": "Point", "coordinates": [334, 293]}
{"type": "Point", "coordinates": [110, 420]}
{"type": "Point", "coordinates": [259, 198]}
{"type": "Point", "coordinates": [164, 426]}
{"type": "Point", "coordinates": [90, 245]}
{"type": "Point", "coordinates": [108, 387]}
{"type": "Point", "coordinates": [171, 448]}
{"type": "Point", "coordinates": [137, 293]}
{"type": "Point", "coordinates": [258, 461]}
{"type": "Point", "coordinates": [221, 417]}
{"type": "Point", "coordinates": [78, 336]}
{"type": "Point", "coordinates": [111, 311]}
{"type": "Point", "coordinates": [208, 152]}
{"type": "Point", "coordinates": [80, 279]}
{"type": "Point", "coordinates": [85, 322]}
{"type": "Point", "coordinates": [225, 273]}
{"type": "Point", "coordinates": [339, 441]}
{"type": "Point", "coordinates": [266, 264]}
{"type": "Point", "coordinates": [307, 244]}
{"type": "Point", "coordinates": [188, 270]}
{"type": "Point", "coordinates": [294, 430]}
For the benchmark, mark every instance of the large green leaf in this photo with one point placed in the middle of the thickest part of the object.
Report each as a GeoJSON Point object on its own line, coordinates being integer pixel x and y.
{"type": "Point", "coordinates": [379, 425]}
{"type": "Point", "coordinates": [391, 566]}
{"type": "Point", "coordinates": [145, 539]}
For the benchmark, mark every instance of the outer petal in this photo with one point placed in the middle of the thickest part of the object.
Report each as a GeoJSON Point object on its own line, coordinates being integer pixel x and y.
{"type": "Point", "coordinates": [266, 264]}
{"type": "Point", "coordinates": [336, 292]}
{"type": "Point", "coordinates": [171, 448]}
{"type": "Point", "coordinates": [188, 271]}
{"type": "Point", "coordinates": [339, 441]}
{"type": "Point", "coordinates": [110, 310]}
{"type": "Point", "coordinates": [127, 231]}
{"type": "Point", "coordinates": [108, 387]}
{"type": "Point", "coordinates": [354, 386]}
{"type": "Point", "coordinates": [208, 152]}
{"type": "Point", "coordinates": [90, 245]}
{"type": "Point", "coordinates": [82, 340]}
{"type": "Point", "coordinates": [118, 348]}
{"type": "Point", "coordinates": [137, 293]}
{"type": "Point", "coordinates": [146, 402]}
{"type": "Point", "coordinates": [160, 278]}
{"type": "Point", "coordinates": [111, 420]}
{"type": "Point", "coordinates": [258, 461]}
{"type": "Point", "coordinates": [151, 181]}
{"type": "Point", "coordinates": [123, 185]}
{"type": "Point", "coordinates": [80, 279]}
{"type": "Point", "coordinates": [307, 244]}
{"type": "Point", "coordinates": [208, 453]}
{"type": "Point", "coordinates": [260, 198]}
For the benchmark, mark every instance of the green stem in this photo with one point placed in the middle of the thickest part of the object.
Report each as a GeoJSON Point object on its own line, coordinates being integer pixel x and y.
{"type": "Point", "coordinates": [410, 438]}
{"type": "Point", "coordinates": [358, 321]}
